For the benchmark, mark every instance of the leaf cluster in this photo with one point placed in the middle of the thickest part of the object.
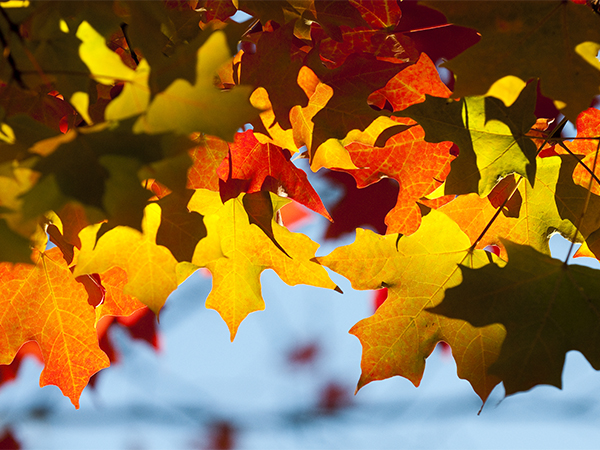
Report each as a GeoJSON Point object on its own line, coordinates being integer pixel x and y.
{"type": "Point", "coordinates": [147, 140]}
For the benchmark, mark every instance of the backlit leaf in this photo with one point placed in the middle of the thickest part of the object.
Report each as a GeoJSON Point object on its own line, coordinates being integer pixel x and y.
{"type": "Point", "coordinates": [491, 137]}
{"type": "Point", "coordinates": [547, 308]}
{"type": "Point", "coordinates": [44, 302]}
{"type": "Point", "coordinates": [236, 252]}
{"type": "Point", "coordinates": [416, 270]}
{"type": "Point", "coordinates": [151, 268]}
{"type": "Point", "coordinates": [525, 39]}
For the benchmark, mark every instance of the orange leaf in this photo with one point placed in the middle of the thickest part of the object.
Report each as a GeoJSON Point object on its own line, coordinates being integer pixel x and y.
{"type": "Point", "coordinates": [206, 157]}
{"type": "Point", "coordinates": [417, 165]}
{"type": "Point", "coordinates": [44, 302]}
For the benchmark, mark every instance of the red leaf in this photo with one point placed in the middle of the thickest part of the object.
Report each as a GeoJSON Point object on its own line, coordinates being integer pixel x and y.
{"type": "Point", "coordinates": [268, 167]}
{"type": "Point", "coordinates": [8, 441]}
{"type": "Point", "coordinates": [333, 398]}
{"type": "Point", "coordinates": [360, 207]}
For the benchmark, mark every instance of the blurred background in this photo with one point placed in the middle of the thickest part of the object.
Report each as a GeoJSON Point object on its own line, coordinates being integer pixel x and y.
{"type": "Point", "coordinates": [288, 379]}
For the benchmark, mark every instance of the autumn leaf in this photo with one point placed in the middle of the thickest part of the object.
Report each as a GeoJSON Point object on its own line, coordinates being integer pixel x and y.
{"type": "Point", "coordinates": [207, 156]}
{"type": "Point", "coordinates": [330, 153]}
{"type": "Point", "coordinates": [44, 302]}
{"type": "Point", "coordinates": [218, 9]}
{"type": "Point", "coordinates": [365, 207]}
{"type": "Point", "coordinates": [416, 270]}
{"type": "Point", "coordinates": [586, 145]}
{"type": "Point", "coordinates": [332, 15]}
{"type": "Point", "coordinates": [529, 218]}
{"type": "Point", "coordinates": [547, 308]}
{"type": "Point", "coordinates": [47, 56]}
{"type": "Point", "coordinates": [275, 66]}
{"type": "Point", "coordinates": [419, 166]}
{"type": "Point", "coordinates": [539, 33]}
{"type": "Point", "coordinates": [352, 83]}
{"type": "Point", "coordinates": [180, 229]}
{"type": "Point", "coordinates": [268, 167]}
{"type": "Point", "coordinates": [169, 37]}
{"type": "Point", "coordinates": [378, 38]}
{"type": "Point", "coordinates": [183, 107]}
{"type": "Point", "coordinates": [236, 252]}
{"type": "Point", "coordinates": [100, 167]}
{"type": "Point", "coordinates": [151, 268]}
{"type": "Point", "coordinates": [18, 233]}
{"type": "Point", "coordinates": [491, 138]}
{"type": "Point", "coordinates": [120, 141]}
{"type": "Point", "coordinates": [281, 12]}
{"type": "Point", "coordinates": [45, 109]}
{"type": "Point", "coordinates": [115, 302]}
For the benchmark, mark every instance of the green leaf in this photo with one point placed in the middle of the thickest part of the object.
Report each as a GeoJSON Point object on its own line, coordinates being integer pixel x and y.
{"type": "Point", "coordinates": [13, 247]}
{"type": "Point", "coordinates": [491, 138]}
{"type": "Point", "coordinates": [185, 108]}
{"type": "Point", "coordinates": [528, 40]}
{"type": "Point", "coordinates": [547, 308]}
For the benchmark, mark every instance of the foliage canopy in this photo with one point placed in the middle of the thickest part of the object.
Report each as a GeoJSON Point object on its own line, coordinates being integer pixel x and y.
{"type": "Point", "coordinates": [121, 142]}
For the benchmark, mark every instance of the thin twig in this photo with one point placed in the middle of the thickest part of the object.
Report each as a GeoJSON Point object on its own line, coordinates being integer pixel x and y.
{"type": "Point", "coordinates": [131, 51]}
{"type": "Point", "coordinates": [580, 161]}
{"type": "Point", "coordinates": [585, 205]}
{"type": "Point", "coordinates": [517, 183]}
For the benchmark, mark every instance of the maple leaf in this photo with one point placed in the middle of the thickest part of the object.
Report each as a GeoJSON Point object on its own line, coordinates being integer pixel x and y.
{"type": "Point", "coordinates": [169, 39]}
{"type": "Point", "coordinates": [331, 15]}
{"type": "Point", "coordinates": [377, 38]}
{"type": "Point", "coordinates": [218, 9]}
{"type": "Point", "coordinates": [330, 153]}
{"type": "Point", "coordinates": [102, 167]}
{"type": "Point", "coordinates": [44, 302]}
{"type": "Point", "coordinates": [360, 207]}
{"type": "Point", "coordinates": [588, 126]}
{"type": "Point", "coordinates": [352, 82]}
{"type": "Point", "coordinates": [46, 55]}
{"type": "Point", "coordinates": [268, 167]}
{"type": "Point", "coordinates": [151, 268]}
{"type": "Point", "coordinates": [430, 33]}
{"type": "Point", "coordinates": [180, 229]}
{"type": "Point", "coordinates": [269, 131]}
{"type": "Point", "coordinates": [418, 166]}
{"type": "Point", "coordinates": [532, 214]}
{"type": "Point", "coordinates": [578, 205]}
{"type": "Point", "coordinates": [275, 67]}
{"type": "Point", "coordinates": [44, 108]}
{"type": "Point", "coordinates": [206, 159]}
{"type": "Point", "coordinates": [236, 252]}
{"type": "Point", "coordinates": [115, 302]}
{"type": "Point", "coordinates": [281, 12]}
{"type": "Point", "coordinates": [547, 308]}
{"type": "Point", "coordinates": [492, 138]}
{"type": "Point", "coordinates": [185, 108]}
{"type": "Point", "coordinates": [18, 232]}
{"type": "Point", "coordinates": [539, 33]}
{"type": "Point", "coordinates": [416, 270]}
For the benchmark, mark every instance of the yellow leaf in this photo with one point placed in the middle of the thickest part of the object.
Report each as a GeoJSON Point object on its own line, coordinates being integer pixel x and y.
{"type": "Point", "coordinates": [151, 268]}
{"type": "Point", "coordinates": [236, 252]}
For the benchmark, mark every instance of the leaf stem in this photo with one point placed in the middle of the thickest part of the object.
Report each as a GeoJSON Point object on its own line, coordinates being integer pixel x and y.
{"type": "Point", "coordinates": [587, 201]}
{"type": "Point", "coordinates": [517, 183]}
{"type": "Point", "coordinates": [496, 214]}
